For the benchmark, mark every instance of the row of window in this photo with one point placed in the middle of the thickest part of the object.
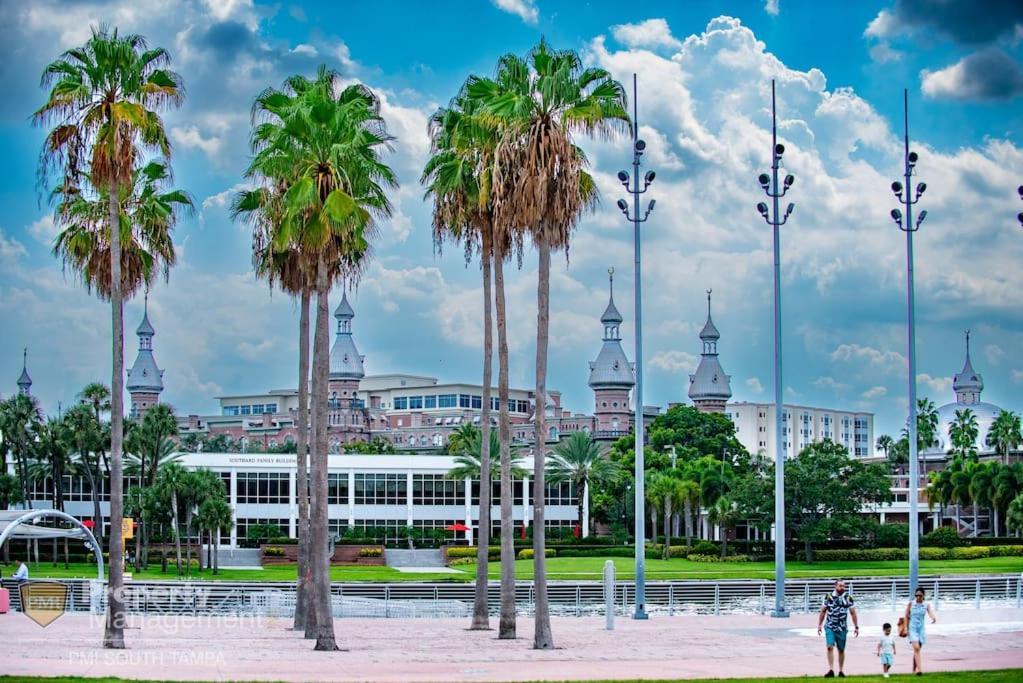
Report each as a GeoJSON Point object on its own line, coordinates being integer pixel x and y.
{"type": "Point", "coordinates": [252, 409]}
{"type": "Point", "coordinates": [471, 401]}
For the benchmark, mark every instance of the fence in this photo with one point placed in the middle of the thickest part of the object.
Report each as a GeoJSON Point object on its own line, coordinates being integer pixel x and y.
{"type": "Point", "coordinates": [413, 600]}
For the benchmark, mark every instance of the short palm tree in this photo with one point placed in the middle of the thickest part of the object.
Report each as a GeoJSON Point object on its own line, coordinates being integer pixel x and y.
{"type": "Point", "coordinates": [104, 110]}
{"type": "Point", "coordinates": [19, 416]}
{"type": "Point", "coordinates": [962, 433]}
{"type": "Point", "coordinates": [1008, 483]}
{"type": "Point", "coordinates": [214, 517]}
{"type": "Point", "coordinates": [150, 445]}
{"type": "Point", "coordinates": [579, 460]}
{"type": "Point", "coordinates": [1005, 434]}
{"type": "Point", "coordinates": [468, 460]}
{"type": "Point", "coordinates": [723, 514]}
{"type": "Point", "coordinates": [542, 189]}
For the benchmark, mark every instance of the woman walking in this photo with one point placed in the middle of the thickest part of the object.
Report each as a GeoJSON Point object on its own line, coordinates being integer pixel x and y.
{"type": "Point", "coordinates": [917, 613]}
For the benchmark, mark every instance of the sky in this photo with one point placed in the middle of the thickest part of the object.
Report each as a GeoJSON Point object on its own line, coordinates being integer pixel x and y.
{"type": "Point", "coordinates": [704, 73]}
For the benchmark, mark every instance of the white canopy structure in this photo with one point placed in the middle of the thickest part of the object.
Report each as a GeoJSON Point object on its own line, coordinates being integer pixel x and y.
{"type": "Point", "coordinates": [21, 524]}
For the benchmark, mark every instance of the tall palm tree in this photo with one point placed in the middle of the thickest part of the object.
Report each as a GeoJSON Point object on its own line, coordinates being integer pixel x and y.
{"type": "Point", "coordinates": [884, 444]}
{"type": "Point", "coordinates": [1005, 434]}
{"type": "Point", "coordinates": [104, 109]}
{"type": "Point", "coordinates": [579, 460]}
{"type": "Point", "coordinates": [1008, 483]}
{"type": "Point", "coordinates": [926, 423]}
{"type": "Point", "coordinates": [50, 463]}
{"type": "Point", "coordinates": [19, 417]}
{"type": "Point", "coordinates": [469, 460]}
{"type": "Point", "coordinates": [459, 177]}
{"type": "Point", "coordinates": [690, 492]}
{"type": "Point", "coordinates": [322, 143]}
{"type": "Point", "coordinates": [962, 432]}
{"type": "Point", "coordinates": [97, 395]}
{"type": "Point", "coordinates": [541, 188]}
{"type": "Point", "coordinates": [86, 438]}
{"type": "Point", "coordinates": [172, 482]}
{"type": "Point", "coordinates": [147, 445]}
{"type": "Point", "coordinates": [214, 517]}
{"type": "Point", "coordinates": [940, 490]}
{"type": "Point", "coordinates": [982, 484]}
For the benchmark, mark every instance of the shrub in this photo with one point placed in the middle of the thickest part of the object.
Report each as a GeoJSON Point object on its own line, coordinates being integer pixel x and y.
{"type": "Point", "coordinates": [272, 551]}
{"type": "Point", "coordinates": [943, 537]}
{"type": "Point", "coordinates": [873, 554]}
{"type": "Point", "coordinates": [527, 553]}
{"type": "Point", "coordinates": [679, 551]}
{"type": "Point", "coordinates": [892, 536]}
{"type": "Point", "coordinates": [460, 551]}
{"type": "Point", "coordinates": [194, 564]}
{"type": "Point", "coordinates": [462, 561]}
{"type": "Point", "coordinates": [371, 552]}
{"type": "Point", "coordinates": [697, 557]}
{"type": "Point", "coordinates": [935, 553]}
{"type": "Point", "coordinates": [971, 553]}
{"type": "Point", "coordinates": [1006, 550]}
{"type": "Point", "coordinates": [613, 551]}
{"type": "Point", "coordinates": [705, 548]}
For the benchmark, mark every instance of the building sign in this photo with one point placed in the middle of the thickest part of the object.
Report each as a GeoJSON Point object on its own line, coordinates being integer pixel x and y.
{"type": "Point", "coordinates": [43, 601]}
{"type": "Point", "coordinates": [262, 460]}
{"type": "Point", "coordinates": [127, 528]}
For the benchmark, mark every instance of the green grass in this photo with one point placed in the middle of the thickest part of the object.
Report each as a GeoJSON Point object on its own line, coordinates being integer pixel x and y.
{"type": "Point", "coordinates": [577, 569]}
{"type": "Point", "coordinates": [998, 676]}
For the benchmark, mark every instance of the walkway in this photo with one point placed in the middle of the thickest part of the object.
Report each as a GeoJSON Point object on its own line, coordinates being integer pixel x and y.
{"type": "Point", "coordinates": [228, 648]}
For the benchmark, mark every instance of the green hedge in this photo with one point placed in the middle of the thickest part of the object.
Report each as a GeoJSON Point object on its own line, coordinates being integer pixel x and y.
{"type": "Point", "coordinates": [371, 552]}
{"type": "Point", "coordinates": [271, 551]}
{"type": "Point", "coordinates": [943, 537]}
{"type": "Point", "coordinates": [462, 561]}
{"type": "Point", "coordinates": [926, 553]}
{"type": "Point", "coordinates": [696, 557]}
{"type": "Point", "coordinates": [875, 554]}
{"type": "Point", "coordinates": [613, 551]}
{"type": "Point", "coordinates": [460, 551]}
{"type": "Point", "coordinates": [1006, 550]}
{"type": "Point", "coordinates": [527, 554]}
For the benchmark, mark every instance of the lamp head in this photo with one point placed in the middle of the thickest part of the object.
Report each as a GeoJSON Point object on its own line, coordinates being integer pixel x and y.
{"type": "Point", "coordinates": [896, 215]}
{"type": "Point", "coordinates": [650, 206]}
{"type": "Point", "coordinates": [913, 158]}
{"type": "Point", "coordinates": [897, 187]}
{"type": "Point", "coordinates": [921, 216]}
{"type": "Point", "coordinates": [789, 179]}
{"type": "Point", "coordinates": [622, 206]}
{"type": "Point", "coordinates": [779, 149]}
{"type": "Point", "coordinates": [788, 209]}
{"type": "Point", "coordinates": [623, 176]}
{"type": "Point", "coordinates": [920, 188]}
{"type": "Point", "coordinates": [765, 180]}
{"type": "Point", "coordinates": [640, 145]}
{"type": "Point", "coordinates": [649, 177]}
{"type": "Point", "coordinates": [762, 208]}
{"type": "Point", "coordinates": [1020, 191]}
{"type": "Point", "coordinates": [1020, 217]}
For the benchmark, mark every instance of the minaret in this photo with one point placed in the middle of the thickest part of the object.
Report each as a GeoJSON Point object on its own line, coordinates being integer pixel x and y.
{"type": "Point", "coordinates": [709, 387]}
{"type": "Point", "coordinates": [346, 365]}
{"type": "Point", "coordinates": [968, 383]}
{"type": "Point", "coordinates": [612, 376]}
{"type": "Point", "coordinates": [145, 379]}
{"type": "Point", "coordinates": [24, 381]}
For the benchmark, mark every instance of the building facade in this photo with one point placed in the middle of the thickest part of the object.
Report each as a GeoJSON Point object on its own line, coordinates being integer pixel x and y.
{"type": "Point", "coordinates": [803, 425]}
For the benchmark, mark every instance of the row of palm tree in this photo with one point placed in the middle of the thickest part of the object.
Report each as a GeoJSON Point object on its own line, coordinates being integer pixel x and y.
{"type": "Point", "coordinates": [969, 482]}
{"type": "Point", "coordinates": [506, 170]}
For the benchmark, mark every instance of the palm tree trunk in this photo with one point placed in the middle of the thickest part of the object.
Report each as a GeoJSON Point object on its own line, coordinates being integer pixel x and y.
{"type": "Point", "coordinates": [113, 633]}
{"type": "Point", "coordinates": [302, 588]}
{"type": "Point", "coordinates": [506, 628]}
{"type": "Point", "coordinates": [188, 543]}
{"type": "Point", "coordinates": [138, 544]}
{"type": "Point", "coordinates": [97, 514]}
{"type": "Point", "coordinates": [318, 521]}
{"type": "Point", "coordinates": [543, 639]}
{"type": "Point", "coordinates": [481, 607]}
{"type": "Point", "coordinates": [667, 532]}
{"type": "Point", "coordinates": [216, 551]}
{"type": "Point", "coordinates": [688, 511]}
{"type": "Point", "coordinates": [177, 528]}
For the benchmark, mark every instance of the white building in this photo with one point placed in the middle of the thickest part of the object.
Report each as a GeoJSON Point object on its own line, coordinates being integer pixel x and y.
{"type": "Point", "coordinates": [755, 428]}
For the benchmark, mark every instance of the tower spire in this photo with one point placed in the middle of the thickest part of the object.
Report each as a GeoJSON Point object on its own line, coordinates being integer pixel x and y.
{"type": "Point", "coordinates": [709, 387]}
{"type": "Point", "coordinates": [968, 384]}
{"type": "Point", "coordinates": [145, 378]}
{"type": "Point", "coordinates": [24, 381]}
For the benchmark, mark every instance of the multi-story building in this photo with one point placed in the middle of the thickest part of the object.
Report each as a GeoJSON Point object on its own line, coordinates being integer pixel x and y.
{"type": "Point", "coordinates": [803, 425]}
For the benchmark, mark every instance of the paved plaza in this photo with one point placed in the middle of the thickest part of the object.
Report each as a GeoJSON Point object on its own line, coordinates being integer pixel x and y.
{"type": "Point", "coordinates": [227, 648]}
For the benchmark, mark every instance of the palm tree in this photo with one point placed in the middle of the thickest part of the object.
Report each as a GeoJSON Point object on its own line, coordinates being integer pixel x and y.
{"type": "Point", "coordinates": [1008, 483]}
{"type": "Point", "coordinates": [1005, 434]}
{"type": "Point", "coordinates": [926, 423]}
{"type": "Point", "coordinates": [172, 482]}
{"type": "Point", "coordinates": [321, 144]}
{"type": "Point", "coordinates": [540, 187]}
{"type": "Point", "coordinates": [469, 460]}
{"type": "Point", "coordinates": [49, 464]}
{"type": "Point", "coordinates": [962, 432]}
{"type": "Point", "coordinates": [19, 417]}
{"type": "Point", "coordinates": [690, 492]}
{"type": "Point", "coordinates": [150, 445]}
{"type": "Point", "coordinates": [581, 461]}
{"type": "Point", "coordinates": [724, 515]}
{"type": "Point", "coordinates": [962, 475]}
{"type": "Point", "coordinates": [86, 438]}
{"type": "Point", "coordinates": [97, 395]}
{"type": "Point", "coordinates": [214, 517]}
{"type": "Point", "coordinates": [884, 444]}
{"type": "Point", "coordinates": [941, 491]}
{"type": "Point", "coordinates": [461, 436]}
{"type": "Point", "coordinates": [103, 105]}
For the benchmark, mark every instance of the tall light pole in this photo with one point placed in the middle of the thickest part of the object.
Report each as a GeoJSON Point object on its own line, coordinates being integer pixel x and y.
{"type": "Point", "coordinates": [637, 151]}
{"type": "Point", "coordinates": [771, 188]}
{"type": "Point", "coordinates": [907, 198]}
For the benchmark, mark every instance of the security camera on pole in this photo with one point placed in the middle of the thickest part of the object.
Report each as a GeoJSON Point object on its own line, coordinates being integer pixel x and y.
{"type": "Point", "coordinates": [907, 198]}
{"type": "Point", "coordinates": [770, 187]}
{"type": "Point", "coordinates": [637, 151]}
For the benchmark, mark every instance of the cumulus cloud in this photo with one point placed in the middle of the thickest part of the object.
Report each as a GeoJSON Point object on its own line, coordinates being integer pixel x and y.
{"type": "Point", "coordinates": [44, 230]}
{"type": "Point", "coordinates": [957, 20]}
{"type": "Point", "coordinates": [652, 34]}
{"type": "Point", "coordinates": [771, 7]}
{"type": "Point", "coordinates": [830, 383]}
{"type": "Point", "coordinates": [674, 361]}
{"type": "Point", "coordinates": [523, 9]}
{"type": "Point", "coordinates": [939, 386]}
{"type": "Point", "coordinates": [874, 393]}
{"type": "Point", "coordinates": [754, 385]}
{"type": "Point", "coordinates": [189, 137]}
{"type": "Point", "coordinates": [10, 248]}
{"type": "Point", "coordinates": [883, 52]}
{"type": "Point", "coordinates": [989, 74]}
{"type": "Point", "coordinates": [886, 361]}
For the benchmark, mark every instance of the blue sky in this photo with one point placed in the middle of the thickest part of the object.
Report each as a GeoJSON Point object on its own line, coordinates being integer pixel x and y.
{"type": "Point", "coordinates": [705, 71]}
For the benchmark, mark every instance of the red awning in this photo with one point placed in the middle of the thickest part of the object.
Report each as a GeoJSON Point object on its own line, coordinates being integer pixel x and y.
{"type": "Point", "coordinates": [456, 527]}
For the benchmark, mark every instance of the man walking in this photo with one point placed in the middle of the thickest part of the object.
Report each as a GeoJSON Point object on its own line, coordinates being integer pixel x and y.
{"type": "Point", "coordinates": [834, 621]}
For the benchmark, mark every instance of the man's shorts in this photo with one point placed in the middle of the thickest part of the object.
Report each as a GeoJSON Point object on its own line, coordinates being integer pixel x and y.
{"type": "Point", "coordinates": [835, 638]}
{"type": "Point", "coordinates": [887, 659]}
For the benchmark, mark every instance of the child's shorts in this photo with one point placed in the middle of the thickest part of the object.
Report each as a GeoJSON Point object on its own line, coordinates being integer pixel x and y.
{"type": "Point", "coordinates": [887, 659]}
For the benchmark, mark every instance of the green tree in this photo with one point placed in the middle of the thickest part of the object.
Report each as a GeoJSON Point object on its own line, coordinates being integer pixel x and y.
{"type": "Point", "coordinates": [926, 424]}
{"type": "Point", "coordinates": [885, 444]}
{"type": "Point", "coordinates": [104, 110]}
{"type": "Point", "coordinates": [1014, 518]}
{"type": "Point", "coordinates": [825, 490]}
{"type": "Point", "coordinates": [468, 461]}
{"type": "Point", "coordinates": [1005, 434]}
{"type": "Point", "coordinates": [172, 484]}
{"type": "Point", "coordinates": [19, 420]}
{"type": "Point", "coordinates": [694, 434]}
{"type": "Point", "coordinates": [963, 432]}
{"type": "Point", "coordinates": [49, 465]}
{"type": "Point", "coordinates": [1008, 483]}
{"type": "Point", "coordinates": [86, 438]}
{"type": "Point", "coordinates": [579, 460]}
{"type": "Point", "coordinates": [150, 445]}
{"type": "Point", "coordinates": [214, 518]}
{"type": "Point", "coordinates": [725, 515]}
{"type": "Point", "coordinates": [97, 395]}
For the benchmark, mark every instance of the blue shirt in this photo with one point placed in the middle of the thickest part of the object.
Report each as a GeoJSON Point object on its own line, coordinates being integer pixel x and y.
{"type": "Point", "coordinates": [21, 574]}
{"type": "Point", "coordinates": [838, 607]}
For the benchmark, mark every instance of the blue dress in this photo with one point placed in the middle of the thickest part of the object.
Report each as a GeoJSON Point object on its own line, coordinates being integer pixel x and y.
{"type": "Point", "coordinates": [917, 619]}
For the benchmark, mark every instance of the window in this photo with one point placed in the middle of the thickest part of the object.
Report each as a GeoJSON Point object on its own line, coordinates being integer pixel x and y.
{"type": "Point", "coordinates": [495, 403]}
{"type": "Point", "coordinates": [401, 402]}
{"type": "Point", "coordinates": [434, 489]}
{"type": "Point", "coordinates": [230, 410]}
{"type": "Point", "coordinates": [438, 440]}
{"type": "Point", "coordinates": [447, 401]}
{"type": "Point", "coordinates": [380, 489]}
{"type": "Point", "coordinates": [243, 524]}
{"type": "Point", "coordinates": [561, 494]}
{"type": "Point", "coordinates": [270, 408]}
{"type": "Point", "coordinates": [477, 402]}
{"type": "Point", "coordinates": [246, 410]}
{"type": "Point", "coordinates": [523, 406]}
{"type": "Point", "coordinates": [495, 492]}
{"type": "Point", "coordinates": [387, 531]}
{"type": "Point", "coordinates": [415, 402]}
{"type": "Point", "coordinates": [337, 488]}
{"type": "Point", "coordinates": [430, 401]}
{"type": "Point", "coordinates": [464, 401]}
{"type": "Point", "coordinates": [263, 487]}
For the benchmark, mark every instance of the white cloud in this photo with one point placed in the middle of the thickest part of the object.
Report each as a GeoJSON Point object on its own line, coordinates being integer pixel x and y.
{"type": "Point", "coordinates": [886, 361]}
{"type": "Point", "coordinates": [10, 248]}
{"type": "Point", "coordinates": [830, 383]}
{"type": "Point", "coordinates": [771, 7]}
{"type": "Point", "coordinates": [674, 361]}
{"type": "Point", "coordinates": [940, 386]}
{"type": "Point", "coordinates": [884, 25]}
{"type": "Point", "coordinates": [1016, 376]}
{"type": "Point", "coordinates": [883, 53]}
{"type": "Point", "coordinates": [189, 137]}
{"type": "Point", "coordinates": [222, 200]}
{"type": "Point", "coordinates": [874, 393]}
{"type": "Point", "coordinates": [989, 74]}
{"type": "Point", "coordinates": [305, 49]}
{"type": "Point", "coordinates": [524, 9]}
{"type": "Point", "coordinates": [44, 230]}
{"type": "Point", "coordinates": [652, 34]}
{"type": "Point", "coordinates": [995, 354]}
{"type": "Point", "coordinates": [754, 385]}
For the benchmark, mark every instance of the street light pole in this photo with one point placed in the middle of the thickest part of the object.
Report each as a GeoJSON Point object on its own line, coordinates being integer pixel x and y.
{"type": "Point", "coordinates": [770, 186]}
{"type": "Point", "coordinates": [905, 196]}
{"type": "Point", "coordinates": [637, 151]}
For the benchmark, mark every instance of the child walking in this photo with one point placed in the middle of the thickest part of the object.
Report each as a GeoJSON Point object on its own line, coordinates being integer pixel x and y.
{"type": "Point", "coordinates": [886, 649]}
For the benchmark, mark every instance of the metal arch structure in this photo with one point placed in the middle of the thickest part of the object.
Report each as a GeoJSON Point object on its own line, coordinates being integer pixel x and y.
{"type": "Point", "coordinates": [12, 520]}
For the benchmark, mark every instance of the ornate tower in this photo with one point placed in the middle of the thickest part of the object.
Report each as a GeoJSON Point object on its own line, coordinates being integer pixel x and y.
{"type": "Point", "coordinates": [145, 379]}
{"type": "Point", "coordinates": [968, 383]}
{"type": "Point", "coordinates": [24, 381]}
{"type": "Point", "coordinates": [346, 412]}
{"type": "Point", "coordinates": [710, 387]}
{"type": "Point", "coordinates": [612, 376]}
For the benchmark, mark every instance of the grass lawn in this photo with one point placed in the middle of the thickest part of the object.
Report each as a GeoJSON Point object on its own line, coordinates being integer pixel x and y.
{"type": "Point", "coordinates": [578, 568]}
{"type": "Point", "coordinates": [1000, 676]}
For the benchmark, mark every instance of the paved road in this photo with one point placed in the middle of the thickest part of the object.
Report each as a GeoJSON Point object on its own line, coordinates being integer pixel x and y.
{"type": "Point", "coordinates": [226, 648]}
